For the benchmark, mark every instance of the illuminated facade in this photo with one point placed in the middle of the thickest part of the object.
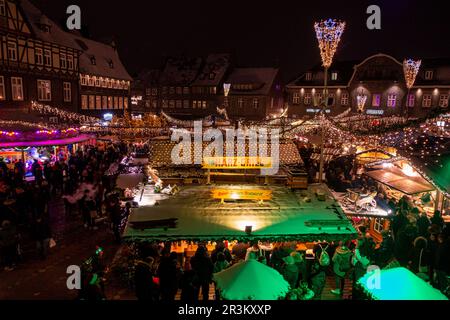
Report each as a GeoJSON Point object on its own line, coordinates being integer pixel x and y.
{"type": "Point", "coordinates": [381, 79]}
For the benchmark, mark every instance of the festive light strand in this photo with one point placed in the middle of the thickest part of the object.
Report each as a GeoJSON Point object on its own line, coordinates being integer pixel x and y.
{"type": "Point", "coordinates": [410, 70]}
{"type": "Point", "coordinates": [328, 33]}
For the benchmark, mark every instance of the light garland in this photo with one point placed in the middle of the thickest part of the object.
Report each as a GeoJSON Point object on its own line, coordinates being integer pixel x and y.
{"type": "Point", "coordinates": [328, 33]}
{"type": "Point", "coordinates": [62, 114]}
{"type": "Point", "coordinates": [410, 70]}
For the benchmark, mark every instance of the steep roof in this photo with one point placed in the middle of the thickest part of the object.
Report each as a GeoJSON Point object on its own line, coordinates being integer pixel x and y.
{"type": "Point", "coordinates": [213, 70]}
{"type": "Point", "coordinates": [261, 80]}
{"type": "Point", "coordinates": [180, 70]}
{"type": "Point", "coordinates": [104, 54]}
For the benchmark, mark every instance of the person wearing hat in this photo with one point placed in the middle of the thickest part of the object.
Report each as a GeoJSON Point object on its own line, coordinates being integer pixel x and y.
{"type": "Point", "coordinates": [290, 271]}
{"type": "Point", "coordinates": [341, 266]}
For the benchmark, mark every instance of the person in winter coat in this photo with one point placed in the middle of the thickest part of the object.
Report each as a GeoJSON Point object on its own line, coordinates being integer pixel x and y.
{"type": "Point", "coordinates": [203, 267]}
{"type": "Point", "coordinates": [420, 258]}
{"type": "Point", "coordinates": [437, 219]}
{"type": "Point", "coordinates": [442, 260]}
{"type": "Point", "coordinates": [168, 276]}
{"type": "Point", "coordinates": [41, 234]}
{"type": "Point", "coordinates": [143, 279]}
{"type": "Point", "coordinates": [423, 223]}
{"type": "Point", "coordinates": [318, 273]}
{"type": "Point", "coordinates": [220, 248]}
{"type": "Point", "coordinates": [8, 244]}
{"type": "Point", "coordinates": [189, 291]}
{"type": "Point", "coordinates": [361, 260]}
{"type": "Point", "coordinates": [290, 271]}
{"type": "Point", "coordinates": [341, 266]}
{"type": "Point", "coordinates": [385, 251]}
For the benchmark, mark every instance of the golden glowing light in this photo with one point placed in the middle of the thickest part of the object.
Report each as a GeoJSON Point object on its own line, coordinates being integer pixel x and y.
{"type": "Point", "coordinates": [328, 33]}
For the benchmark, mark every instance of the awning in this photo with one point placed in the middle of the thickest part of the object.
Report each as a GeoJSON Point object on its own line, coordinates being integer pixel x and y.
{"type": "Point", "coordinates": [43, 143]}
{"type": "Point", "coordinates": [398, 284]}
{"type": "Point", "coordinates": [396, 179]}
{"type": "Point", "coordinates": [251, 280]}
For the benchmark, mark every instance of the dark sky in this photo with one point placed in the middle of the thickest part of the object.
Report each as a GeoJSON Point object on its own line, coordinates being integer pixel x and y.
{"type": "Point", "coordinates": [258, 33]}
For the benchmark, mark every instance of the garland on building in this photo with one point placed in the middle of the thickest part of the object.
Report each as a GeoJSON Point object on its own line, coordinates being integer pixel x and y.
{"type": "Point", "coordinates": [62, 114]}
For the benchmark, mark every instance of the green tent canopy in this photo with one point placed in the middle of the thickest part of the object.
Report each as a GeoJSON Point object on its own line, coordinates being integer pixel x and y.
{"type": "Point", "coordinates": [251, 280]}
{"type": "Point", "coordinates": [398, 284]}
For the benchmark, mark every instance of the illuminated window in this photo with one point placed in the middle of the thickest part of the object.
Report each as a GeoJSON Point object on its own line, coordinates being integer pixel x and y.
{"type": "Point", "coordinates": [426, 100]}
{"type": "Point", "coordinates": [344, 99]}
{"type": "Point", "coordinates": [429, 75]}
{"type": "Point", "coordinates": [98, 102]}
{"type": "Point", "coordinates": [2, 88]}
{"type": "Point", "coordinates": [164, 103]}
{"type": "Point", "coordinates": [376, 100]}
{"type": "Point", "coordinates": [83, 80]}
{"type": "Point", "coordinates": [116, 102]}
{"type": "Point", "coordinates": [125, 103]}
{"type": "Point", "coordinates": [255, 103]}
{"type": "Point", "coordinates": [44, 90]}
{"type": "Point", "coordinates": [69, 62]}
{"type": "Point", "coordinates": [443, 100]}
{"type": "Point", "coordinates": [378, 225]}
{"type": "Point", "coordinates": [47, 57]}
{"type": "Point", "coordinates": [12, 51]}
{"type": "Point", "coordinates": [155, 104]}
{"type": "Point", "coordinates": [110, 102]}
{"type": "Point", "coordinates": [63, 60]}
{"type": "Point", "coordinates": [240, 103]}
{"type": "Point", "coordinates": [308, 76]}
{"type": "Point", "coordinates": [103, 82]}
{"type": "Point", "coordinates": [104, 102]}
{"type": "Point", "coordinates": [97, 81]}
{"type": "Point", "coordinates": [91, 81]}
{"type": "Point", "coordinates": [108, 83]}
{"type": "Point", "coordinates": [179, 103]}
{"type": "Point", "coordinates": [67, 88]}
{"type": "Point", "coordinates": [194, 104]}
{"type": "Point", "coordinates": [318, 98]}
{"type": "Point", "coordinates": [334, 76]}
{"type": "Point", "coordinates": [155, 91]}
{"type": "Point", "coordinates": [120, 102]}
{"type": "Point", "coordinates": [84, 102]}
{"type": "Point", "coordinates": [38, 56]}
{"type": "Point", "coordinates": [411, 100]}
{"type": "Point", "coordinates": [296, 98]}
{"type": "Point", "coordinates": [392, 100]}
{"type": "Point", "coordinates": [307, 99]}
{"type": "Point", "coordinates": [204, 104]}
{"type": "Point", "coordinates": [91, 102]}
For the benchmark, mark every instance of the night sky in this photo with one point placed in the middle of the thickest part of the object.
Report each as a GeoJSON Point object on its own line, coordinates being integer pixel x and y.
{"type": "Point", "coordinates": [258, 33]}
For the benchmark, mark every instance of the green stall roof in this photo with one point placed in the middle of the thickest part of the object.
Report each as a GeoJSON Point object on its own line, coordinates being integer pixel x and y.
{"type": "Point", "coordinates": [193, 214]}
{"type": "Point", "coordinates": [398, 284]}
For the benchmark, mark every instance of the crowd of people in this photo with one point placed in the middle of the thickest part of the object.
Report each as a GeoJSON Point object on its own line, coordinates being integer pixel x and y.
{"type": "Point", "coordinates": [24, 203]}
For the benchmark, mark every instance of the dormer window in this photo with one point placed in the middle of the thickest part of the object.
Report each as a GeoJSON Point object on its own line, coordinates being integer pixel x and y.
{"type": "Point", "coordinates": [93, 62]}
{"type": "Point", "coordinates": [111, 64]}
{"type": "Point", "coordinates": [334, 76]}
{"type": "Point", "coordinates": [308, 76]}
{"type": "Point", "coordinates": [2, 8]}
{"type": "Point", "coordinates": [45, 28]}
{"type": "Point", "coordinates": [429, 75]}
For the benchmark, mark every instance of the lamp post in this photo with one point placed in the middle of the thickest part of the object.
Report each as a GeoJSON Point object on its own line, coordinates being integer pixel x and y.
{"type": "Point", "coordinates": [410, 70]}
{"type": "Point", "coordinates": [328, 34]}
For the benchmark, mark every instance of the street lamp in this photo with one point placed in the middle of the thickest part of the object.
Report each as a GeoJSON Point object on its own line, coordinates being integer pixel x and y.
{"type": "Point", "coordinates": [328, 34]}
{"type": "Point", "coordinates": [410, 70]}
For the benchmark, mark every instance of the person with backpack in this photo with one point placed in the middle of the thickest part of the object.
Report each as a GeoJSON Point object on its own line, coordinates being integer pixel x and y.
{"type": "Point", "coordinates": [341, 266]}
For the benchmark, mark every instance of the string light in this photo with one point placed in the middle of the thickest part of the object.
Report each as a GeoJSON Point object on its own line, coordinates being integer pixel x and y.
{"type": "Point", "coordinates": [361, 101]}
{"type": "Point", "coordinates": [328, 33]}
{"type": "Point", "coordinates": [62, 114]}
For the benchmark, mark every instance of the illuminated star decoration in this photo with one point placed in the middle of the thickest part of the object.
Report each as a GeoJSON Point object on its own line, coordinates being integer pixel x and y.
{"type": "Point", "coordinates": [361, 101]}
{"type": "Point", "coordinates": [328, 33]}
{"type": "Point", "coordinates": [410, 69]}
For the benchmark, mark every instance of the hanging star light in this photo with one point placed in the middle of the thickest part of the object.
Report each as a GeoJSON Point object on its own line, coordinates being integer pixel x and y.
{"type": "Point", "coordinates": [328, 33]}
{"type": "Point", "coordinates": [410, 69]}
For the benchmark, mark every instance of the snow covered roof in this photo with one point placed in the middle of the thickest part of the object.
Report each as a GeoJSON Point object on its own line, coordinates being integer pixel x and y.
{"type": "Point", "coordinates": [252, 80]}
{"type": "Point", "coordinates": [107, 61]}
{"type": "Point", "coordinates": [213, 70]}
